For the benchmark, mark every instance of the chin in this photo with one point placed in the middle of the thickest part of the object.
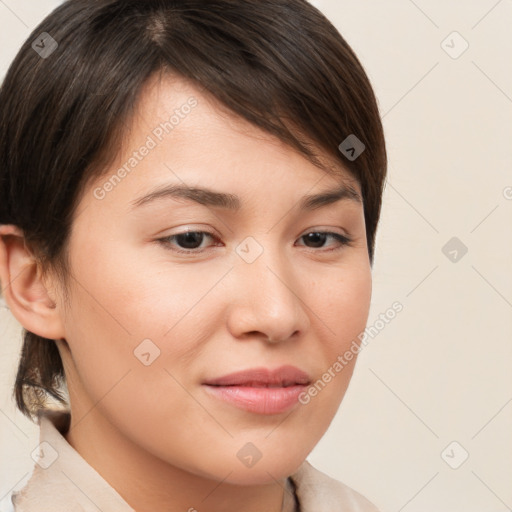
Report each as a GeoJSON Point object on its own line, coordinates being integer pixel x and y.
{"type": "Point", "coordinates": [260, 474]}
{"type": "Point", "coordinates": [263, 471]}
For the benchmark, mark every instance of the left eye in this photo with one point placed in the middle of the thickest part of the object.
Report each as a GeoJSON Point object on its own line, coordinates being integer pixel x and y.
{"type": "Point", "coordinates": [318, 237]}
{"type": "Point", "coordinates": [189, 241]}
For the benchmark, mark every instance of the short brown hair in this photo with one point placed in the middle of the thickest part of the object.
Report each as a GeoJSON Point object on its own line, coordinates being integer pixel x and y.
{"type": "Point", "coordinates": [277, 63]}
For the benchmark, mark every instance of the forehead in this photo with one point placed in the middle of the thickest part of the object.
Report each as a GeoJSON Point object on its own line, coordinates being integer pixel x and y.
{"type": "Point", "coordinates": [181, 134]}
{"type": "Point", "coordinates": [164, 110]}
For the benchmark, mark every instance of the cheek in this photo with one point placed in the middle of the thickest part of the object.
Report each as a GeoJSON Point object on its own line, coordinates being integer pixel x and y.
{"type": "Point", "coordinates": [136, 381]}
{"type": "Point", "coordinates": [130, 325]}
{"type": "Point", "coordinates": [355, 302]}
{"type": "Point", "coordinates": [144, 292]}
{"type": "Point", "coordinates": [343, 306]}
{"type": "Point", "coordinates": [342, 301]}
{"type": "Point", "coordinates": [339, 304]}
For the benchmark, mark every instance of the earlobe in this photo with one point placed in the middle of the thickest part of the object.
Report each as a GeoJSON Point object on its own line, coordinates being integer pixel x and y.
{"type": "Point", "coordinates": [23, 288]}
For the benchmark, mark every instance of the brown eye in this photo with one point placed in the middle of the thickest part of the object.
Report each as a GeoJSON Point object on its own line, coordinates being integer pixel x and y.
{"type": "Point", "coordinates": [186, 242]}
{"type": "Point", "coordinates": [317, 239]}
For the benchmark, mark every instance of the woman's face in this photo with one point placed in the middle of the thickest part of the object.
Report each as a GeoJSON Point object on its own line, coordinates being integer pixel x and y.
{"type": "Point", "coordinates": [155, 314]}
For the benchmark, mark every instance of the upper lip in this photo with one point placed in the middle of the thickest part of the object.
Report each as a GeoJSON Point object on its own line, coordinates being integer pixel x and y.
{"type": "Point", "coordinates": [283, 376]}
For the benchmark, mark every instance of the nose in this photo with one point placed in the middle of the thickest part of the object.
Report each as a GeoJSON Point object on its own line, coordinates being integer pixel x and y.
{"type": "Point", "coordinates": [266, 299]}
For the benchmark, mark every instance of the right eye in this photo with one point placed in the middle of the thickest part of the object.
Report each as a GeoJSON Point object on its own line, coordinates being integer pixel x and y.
{"type": "Point", "coordinates": [189, 241]}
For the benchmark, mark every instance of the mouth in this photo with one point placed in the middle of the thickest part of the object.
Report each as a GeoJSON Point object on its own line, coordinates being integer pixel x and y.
{"type": "Point", "coordinates": [260, 390]}
{"type": "Point", "coordinates": [257, 384]}
{"type": "Point", "coordinates": [284, 376]}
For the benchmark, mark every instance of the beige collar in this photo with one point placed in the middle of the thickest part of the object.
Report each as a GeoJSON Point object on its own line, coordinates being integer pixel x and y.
{"type": "Point", "coordinates": [62, 481]}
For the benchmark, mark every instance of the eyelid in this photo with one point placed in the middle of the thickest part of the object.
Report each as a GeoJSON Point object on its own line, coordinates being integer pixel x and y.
{"type": "Point", "coordinates": [164, 241]}
{"type": "Point", "coordinates": [344, 240]}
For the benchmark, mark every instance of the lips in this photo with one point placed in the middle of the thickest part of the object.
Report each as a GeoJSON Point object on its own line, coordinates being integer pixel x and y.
{"type": "Point", "coordinates": [284, 376]}
{"type": "Point", "coordinates": [260, 390]}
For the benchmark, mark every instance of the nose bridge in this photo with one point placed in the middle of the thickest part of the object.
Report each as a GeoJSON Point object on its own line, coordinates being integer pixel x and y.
{"type": "Point", "coordinates": [269, 293]}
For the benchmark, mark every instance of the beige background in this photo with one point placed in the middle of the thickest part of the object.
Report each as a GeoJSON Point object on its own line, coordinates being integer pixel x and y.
{"type": "Point", "coordinates": [441, 370]}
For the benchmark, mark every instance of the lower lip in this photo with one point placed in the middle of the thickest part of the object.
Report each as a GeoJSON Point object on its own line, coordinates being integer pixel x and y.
{"type": "Point", "coordinates": [258, 400]}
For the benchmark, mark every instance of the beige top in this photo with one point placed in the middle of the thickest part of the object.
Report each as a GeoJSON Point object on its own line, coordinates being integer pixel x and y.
{"type": "Point", "coordinates": [68, 483]}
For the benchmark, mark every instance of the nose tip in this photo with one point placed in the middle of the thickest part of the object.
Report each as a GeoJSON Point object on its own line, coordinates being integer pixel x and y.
{"type": "Point", "coordinates": [267, 304]}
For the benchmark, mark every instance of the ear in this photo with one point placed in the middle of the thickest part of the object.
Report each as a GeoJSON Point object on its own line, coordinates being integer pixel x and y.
{"type": "Point", "coordinates": [23, 288]}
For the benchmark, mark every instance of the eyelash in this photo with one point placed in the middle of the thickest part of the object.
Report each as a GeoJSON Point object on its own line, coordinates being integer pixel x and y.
{"type": "Point", "coordinates": [342, 240]}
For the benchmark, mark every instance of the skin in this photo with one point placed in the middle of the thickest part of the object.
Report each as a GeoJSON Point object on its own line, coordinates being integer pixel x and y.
{"type": "Point", "coordinates": [152, 431]}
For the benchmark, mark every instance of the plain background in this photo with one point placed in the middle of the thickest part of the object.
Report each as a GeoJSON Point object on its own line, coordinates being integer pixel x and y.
{"type": "Point", "coordinates": [434, 385]}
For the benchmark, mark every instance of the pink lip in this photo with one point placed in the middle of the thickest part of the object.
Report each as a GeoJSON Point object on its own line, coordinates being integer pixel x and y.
{"type": "Point", "coordinates": [260, 390]}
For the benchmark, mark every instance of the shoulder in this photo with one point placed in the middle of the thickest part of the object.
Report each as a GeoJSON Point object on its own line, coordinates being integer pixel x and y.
{"type": "Point", "coordinates": [319, 492]}
{"type": "Point", "coordinates": [6, 503]}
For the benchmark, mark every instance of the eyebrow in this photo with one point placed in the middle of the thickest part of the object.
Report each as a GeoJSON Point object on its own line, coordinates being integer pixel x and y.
{"type": "Point", "coordinates": [209, 197]}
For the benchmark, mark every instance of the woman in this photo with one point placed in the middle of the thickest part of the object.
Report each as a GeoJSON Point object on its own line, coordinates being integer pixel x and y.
{"type": "Point", "coordinates": [190, 193]}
